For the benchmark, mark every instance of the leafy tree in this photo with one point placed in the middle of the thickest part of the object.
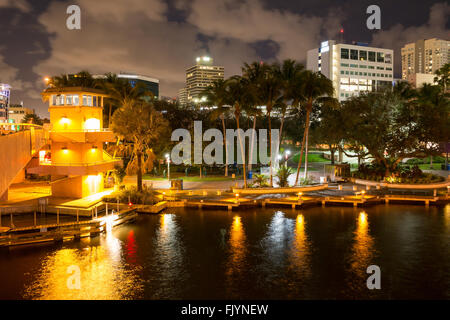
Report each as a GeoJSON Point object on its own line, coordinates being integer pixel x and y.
{"type": "Point", "coordinates": [443, 77]}
{"type": "Point", "coordinates": [32, 118]}
{"type": "Point", "coordinates": [328, 130]}
{"type": "Point", "coordinates": [390, 127]}
{"type": "Point", "coordinates": [143, 126]}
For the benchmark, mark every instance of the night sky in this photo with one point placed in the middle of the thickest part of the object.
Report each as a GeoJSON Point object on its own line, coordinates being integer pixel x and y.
{"type": "Point", "coordinates": [161, 38]}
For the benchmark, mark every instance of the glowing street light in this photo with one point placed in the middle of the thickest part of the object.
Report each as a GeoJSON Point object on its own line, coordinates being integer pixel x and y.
{"type": "Point", "coordinates": [168, 166]}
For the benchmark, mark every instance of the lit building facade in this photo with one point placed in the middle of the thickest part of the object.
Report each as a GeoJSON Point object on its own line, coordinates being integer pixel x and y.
{"type": "Point", "coordinates": [182, 97]}
{"type": "Point", "coordinates": [353, 68]}
{"type": "Point", "coordinates": [17, 113]}
{"type": "Point", "coordinates": [76, 159]}
{"type": "Point", "coordinates": [424, 56]}
{"type": "Point", "coordinates": [5, 93]}
{"type": "Point", "coordinates": [200, 76]}
{"type": "Point", "coordinates": [150, 84]}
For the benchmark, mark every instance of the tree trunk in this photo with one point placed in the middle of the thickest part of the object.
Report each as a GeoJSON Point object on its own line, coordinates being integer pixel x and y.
{"type": "Point", "coordinates": [242, 153]}
{"type": "Point", "coordinates": [109, 116]}
{"type": "Point", "coordinates": [252, 145]}
{"type": "Point", "coordinates": [270, 150]}
{"type": "Point", "coordinates": [139, 170]}
{"type": "Point", "coordinates": [279, 139]}
{"type": "Point", "coordinates": [306, 152]}
{"type": "Point", "coordinates": [225, 144]}
{"type": "Point", "coordinates": [332, 151]}
{"type": "Point", "coordinates": [308, 112]}
{"type": "Point", "coordinates": [301, 158]}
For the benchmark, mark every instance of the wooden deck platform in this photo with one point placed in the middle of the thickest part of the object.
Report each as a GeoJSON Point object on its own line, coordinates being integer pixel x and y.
{"type": "Point", "coordinates": [64, 231]}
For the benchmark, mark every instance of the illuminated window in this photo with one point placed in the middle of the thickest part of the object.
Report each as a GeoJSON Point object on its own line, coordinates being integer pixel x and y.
{"type": "Point", "coordinates": [363, 55]}
{"type": "Point", "coordinates": [380, 57]}
{"type": "Point", "coordinates": [87, 100]}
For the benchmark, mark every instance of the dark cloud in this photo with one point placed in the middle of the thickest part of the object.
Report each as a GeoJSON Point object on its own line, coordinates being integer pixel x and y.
{"type": "Point", "coordinates": [161, 38]}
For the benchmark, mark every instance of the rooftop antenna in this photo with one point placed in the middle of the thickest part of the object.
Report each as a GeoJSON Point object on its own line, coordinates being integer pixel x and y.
{"type": "Point", "coordinates": [341, 35]}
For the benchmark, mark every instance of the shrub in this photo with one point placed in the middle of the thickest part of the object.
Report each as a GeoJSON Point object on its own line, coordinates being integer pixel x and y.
{"type": "Point", "coordinates": [283, 174]}
{"type": "Point", "coordinates": [260, 180]}
{"type": "Point", "coordinates": [146, 196]}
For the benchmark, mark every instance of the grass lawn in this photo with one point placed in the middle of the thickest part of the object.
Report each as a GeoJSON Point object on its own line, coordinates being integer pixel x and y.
{"type": "Point", "coordinates": [189, 178]}
{"type": "Point", "coordinates": [426, 166]}
{"type": "Point", "coordinates": [312, 157]}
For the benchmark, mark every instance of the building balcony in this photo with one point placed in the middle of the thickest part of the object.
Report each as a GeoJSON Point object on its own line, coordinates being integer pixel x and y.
{"type": "Point", "coordinates": [84, 136]}
{"type": "Point", "coordinates": [74, 169]}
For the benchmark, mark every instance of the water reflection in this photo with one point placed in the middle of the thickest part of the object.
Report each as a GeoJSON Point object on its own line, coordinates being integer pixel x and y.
{"type": "Point", "coordinates": [131, 247]}
{"type": "Point", "coordinates": [167, 269]}
{"type": "Point", "coordinates": [276, 241]}
{"type": "Point", "coordinates": [362, 253]}
{"type": "Point", "coordinates": [103, 274]}
{"type": "Point", "coordinates": [235, 266]}
{"type": "Point", "coordinates": [301, 249]}
{"type": "Point", "coordinates": [237, 247]}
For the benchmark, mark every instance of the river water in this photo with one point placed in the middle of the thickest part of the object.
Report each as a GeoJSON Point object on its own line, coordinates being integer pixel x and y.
{"type": "Point", "coordinates": [316, 253]}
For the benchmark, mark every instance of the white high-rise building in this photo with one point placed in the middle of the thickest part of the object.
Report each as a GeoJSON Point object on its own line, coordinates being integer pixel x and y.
{"type": "Point", "coordinates": [200, 76]}
{"type": "Point", "coordinates": [353, 68]}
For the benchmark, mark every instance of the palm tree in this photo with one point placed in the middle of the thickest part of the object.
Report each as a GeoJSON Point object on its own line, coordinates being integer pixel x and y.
{"type": "Point", "coordinates": [254, 73]}
{"type": "Point", "coordinates": [314, 87]}
{"type": "Point", "coordinates": [267, 88]}
{"type": "Point", "coordinates": [238, 89]}
{"type": "Point", "coordinates": [288, 74]}
{"type": "Point", "coordinates": [80, 79]}
{"type": "Point", "coordinates": [252, 112]}
{"type": "Point", "coordinates": [216, 95]}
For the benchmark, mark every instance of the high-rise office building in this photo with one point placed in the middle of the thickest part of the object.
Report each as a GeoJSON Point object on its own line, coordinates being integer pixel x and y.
{"type": "Point", "coordinates": [5, 93]}
{"type": "Point", "coordinates": [424, 56]}
{"type": "Point", "coordinates": [182, 96]}
{"type": "Point", "coordinates": [149, 84]}
{"type": "Point", "coordinates": [353, 68]}
{"type": "Point", "coordinates": [200, 76]}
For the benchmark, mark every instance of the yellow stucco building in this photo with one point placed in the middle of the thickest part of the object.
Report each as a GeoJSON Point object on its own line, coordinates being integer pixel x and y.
{"type": "Point", "coordinates": [76, 159]}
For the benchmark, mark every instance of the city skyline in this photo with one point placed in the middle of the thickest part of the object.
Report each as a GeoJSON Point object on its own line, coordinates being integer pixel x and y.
{"type": "Point", "coordinates": [173, 33]}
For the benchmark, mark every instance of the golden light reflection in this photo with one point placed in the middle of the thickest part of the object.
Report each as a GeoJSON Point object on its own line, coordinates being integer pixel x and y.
{"type": "Point", "coordinates": [301, 248]}
{"type": "Point", "coordinates": [362, 250]}
{"type": "Point", "coordinates": [447, 215]}
{"type": "Point", "coordinates": [102, 274]}
{"type": "Point", "coordinates": [237, 248]}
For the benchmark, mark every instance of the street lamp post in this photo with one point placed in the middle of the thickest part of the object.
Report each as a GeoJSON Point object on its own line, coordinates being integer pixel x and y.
{"type": "Point", "coordinates": [168, 166]}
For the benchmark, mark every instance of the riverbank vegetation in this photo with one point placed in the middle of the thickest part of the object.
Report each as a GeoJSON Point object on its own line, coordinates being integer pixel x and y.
{"type": "Point", "coordinates": [381, 129]}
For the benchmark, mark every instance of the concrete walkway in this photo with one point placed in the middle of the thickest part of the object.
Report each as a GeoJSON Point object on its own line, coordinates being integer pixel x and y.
{"type": "Point", "coordinates": [187, 185]}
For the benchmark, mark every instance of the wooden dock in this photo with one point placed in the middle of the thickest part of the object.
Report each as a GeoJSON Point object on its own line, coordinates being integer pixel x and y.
{"type": "Point", "coordinates": [228, 204]}
{"type": "Point", "coordinates": [156, 208]}
{"type": "Point", "coordinates": [64, 231]}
